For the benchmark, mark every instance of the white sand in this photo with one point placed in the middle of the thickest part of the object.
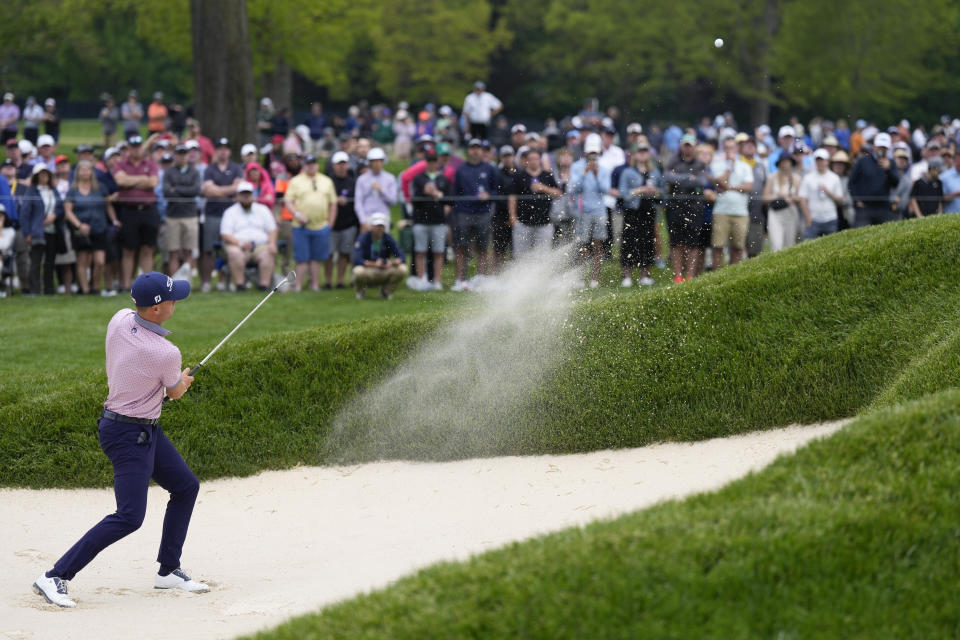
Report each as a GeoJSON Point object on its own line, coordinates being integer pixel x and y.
{"type": "Point", "coordinates": [283, 543]}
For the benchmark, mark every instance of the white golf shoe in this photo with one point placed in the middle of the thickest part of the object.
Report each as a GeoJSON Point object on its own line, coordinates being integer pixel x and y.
{"type": "Point", "coordinates": [54, 590]}
{"type": "Point", "coordinates": [177, 579]}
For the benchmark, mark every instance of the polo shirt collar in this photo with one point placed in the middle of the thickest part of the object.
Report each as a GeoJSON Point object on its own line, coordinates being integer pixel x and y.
{"type": "Point", "coordinates": [152, 326]}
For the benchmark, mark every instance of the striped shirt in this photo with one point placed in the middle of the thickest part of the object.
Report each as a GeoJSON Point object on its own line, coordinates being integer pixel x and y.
{"type": "Point", "coordinates": [141, 364]}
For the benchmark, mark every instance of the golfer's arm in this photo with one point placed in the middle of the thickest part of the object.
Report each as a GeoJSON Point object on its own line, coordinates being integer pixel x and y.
{"type": "Point", "coordinates": [178, 389]}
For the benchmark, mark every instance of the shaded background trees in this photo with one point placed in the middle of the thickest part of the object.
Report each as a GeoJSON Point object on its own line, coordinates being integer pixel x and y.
{"type": "Point", "coordinates": [880, 59]}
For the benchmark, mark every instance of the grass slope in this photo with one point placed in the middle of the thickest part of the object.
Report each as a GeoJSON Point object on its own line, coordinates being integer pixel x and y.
{"type": "Point", "coordinates": [854, 536]}
{"type": "Point", "coordinates": [814, 333]}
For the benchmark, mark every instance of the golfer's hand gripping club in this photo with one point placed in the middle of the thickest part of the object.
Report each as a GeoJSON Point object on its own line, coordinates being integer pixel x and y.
{"type": "Point", "coordinates": [290, 279]}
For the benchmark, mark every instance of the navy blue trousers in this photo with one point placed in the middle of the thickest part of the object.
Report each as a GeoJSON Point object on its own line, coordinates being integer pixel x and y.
{"type": "Point", "coordinates": [138, 453]}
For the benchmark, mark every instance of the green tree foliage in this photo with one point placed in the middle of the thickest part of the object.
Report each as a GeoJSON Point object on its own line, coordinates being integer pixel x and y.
{"type": "Point", "coordinates": [434, 49]}
{"type": "Point", "coordinates": [858, 57]}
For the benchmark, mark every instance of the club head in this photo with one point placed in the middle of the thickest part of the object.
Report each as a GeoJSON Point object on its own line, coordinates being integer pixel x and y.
{"type": "Point", "coordinates": [291, 277]}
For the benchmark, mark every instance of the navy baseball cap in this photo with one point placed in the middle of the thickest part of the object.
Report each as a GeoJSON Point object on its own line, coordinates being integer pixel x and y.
{"type": "Point", "coordinates": [154, 287]}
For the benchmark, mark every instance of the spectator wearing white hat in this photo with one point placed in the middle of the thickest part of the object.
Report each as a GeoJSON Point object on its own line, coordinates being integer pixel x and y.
{"type": "Point", "coordinates": [479, 108]}
{"type": "Point", "coordinates": [786, 137]}
{"type": "Point", "coordinates": [731, 216]}
{"type": "Point", "coordinates": [9, 118]}
{"type": "Point", "coordinates": [51, 119]}
{"type": "Point", "coordinates": [346, 227]}
{"type": "Point", "coordinates": [820, 193]}
{"type": "Point", "coordinates": [871, 179]}
{"type": "Point", "coordinates": [376, 189]}
{"type": "Point", "coordinates": [591, 182]}
{"type": "Point", "coordinates": [249, 233]}
{"type": "Point", "coordinates": [378, 259]}
{"type": "Point", "coordinates": [248, 154]}
{"type": "Point", "coordinates": [518, 135]}
{"type": "Point", "coordinates": [45, 149]}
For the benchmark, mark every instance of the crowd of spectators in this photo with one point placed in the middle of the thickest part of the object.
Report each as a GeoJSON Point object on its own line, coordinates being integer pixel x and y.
{"type": "Point", "coordinates": [473, 186]}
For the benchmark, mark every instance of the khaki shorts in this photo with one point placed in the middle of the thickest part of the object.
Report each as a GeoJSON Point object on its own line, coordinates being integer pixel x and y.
{"type": "Point", "coordinates": [730, 228]}
{"type": "Point", "coordinates": [182, 233]}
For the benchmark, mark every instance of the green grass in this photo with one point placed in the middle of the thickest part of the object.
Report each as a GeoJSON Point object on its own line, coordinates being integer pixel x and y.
{"type": "Point", "coordinates": [816, 333]}
{"type": "Point", "coordinates": [855, 536]}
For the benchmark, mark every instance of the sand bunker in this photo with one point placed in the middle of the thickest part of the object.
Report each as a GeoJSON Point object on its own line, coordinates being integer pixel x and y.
{"type": "Point", "coordinates": [284, 543]}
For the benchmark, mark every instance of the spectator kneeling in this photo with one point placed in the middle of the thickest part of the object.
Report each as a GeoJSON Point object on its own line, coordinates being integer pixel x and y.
{"type": "Point", "coordinates": [249, 232]}
{"type": "Point", "coordinates": [377, 259]}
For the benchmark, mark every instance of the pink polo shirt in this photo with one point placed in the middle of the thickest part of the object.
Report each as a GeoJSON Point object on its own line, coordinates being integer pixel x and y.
{"type": "Point", "coordinates": [141, 363]}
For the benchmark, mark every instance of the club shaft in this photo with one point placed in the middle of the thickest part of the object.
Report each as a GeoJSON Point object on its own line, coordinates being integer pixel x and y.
{"type": "Point", "coordinates": [267, 297]}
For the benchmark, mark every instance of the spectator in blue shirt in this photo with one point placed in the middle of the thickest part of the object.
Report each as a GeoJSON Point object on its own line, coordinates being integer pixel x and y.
{"type": "Point", "coordinates": [591, 182]}
{"type": "Point", "coordinates": [951, 183]}
{"type": "Point", "coordinates": [378, 259]}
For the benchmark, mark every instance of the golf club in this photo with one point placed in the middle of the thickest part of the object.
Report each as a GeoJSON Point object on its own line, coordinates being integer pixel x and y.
{"type": "Point", "coordinates": [290, 279]}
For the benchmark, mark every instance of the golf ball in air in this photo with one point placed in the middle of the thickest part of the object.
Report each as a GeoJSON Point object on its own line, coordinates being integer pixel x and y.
{"type": "Point", "coordinates": [718, 43]}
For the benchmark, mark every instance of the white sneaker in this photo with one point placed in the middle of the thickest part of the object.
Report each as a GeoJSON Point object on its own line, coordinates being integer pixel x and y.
{"type": "Point", "coordinates": [437, 285]}
{"type": "Point", "coordinates": [647, 282]}
{"type": "Point", "coordinates": [205, 287]}
{"type": "Point", "coordinates": [54, 590]}
{"type": "Point", "coordinates": [460, 285]}
{"type": "Point", "coordinates": [627, 282]}
{"type": "Point", "coordinates": [61, 289]}
{"type": "Point", "coordinates": [594, 284]}
{"type": "Point", "coordinates": [179, 580]}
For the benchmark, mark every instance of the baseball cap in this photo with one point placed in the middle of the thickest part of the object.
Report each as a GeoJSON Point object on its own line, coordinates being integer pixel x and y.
{"type": "Point", "coordinates": [380, 218]}
{"type": "Point", "coordinates": [50, 102]}
{"type": "Point", "coordinates": [276, 138]}
{"type": "Point", "coordinates": [26, 147]}
{"type": "Point", "coordinates": [641, 146]}
{"type": "Point", "coordinates": [741, 137]}
{"type": "Point", "coordinates": [109, 153]}
{"type": "Point", "coordinates": [688, 138]}
{"type": "Point", "coordinates": [593, 144]}
{"type": "Point", "coordinates": [83, 148]}
{"type": "Point", "coordinates": [39, 167]}
{"type": "Point", "coordinates": [506, 150]}
{"type": "Point", "coordinates": [903, 153]}
{"type": "Point", "coordinates": [479, 84]}
{"type": "Point", "coordinates": [245, 186]}
{"type": "Point", "coordinates": [248, 148]}
{"type": "Point", "coordinates": [532, 136]}
{"type": "Point", "coordinates": [7, 162]}
{"type": "Point", "coordinates": [935, 163]}
{"type": "Point", "coordinates": [426, 137]}
{"type": "Point", "coordinates": [634, 127]}
{"type": "Point", "coordinates": [475, 142]}
{"type": "Point", "coordinates": [821, 154]}
{"type": "Point", "coordinates": [45, 140]}
{"type": "Point", "coordinates": [167, 157]}
{"type": "Point", "coordinates": [309, 158]}
{"type": "Point", "coordinates": [340, 156]}
{"type": "Point", "coordinates": [522, 151]}
{"type": "Point", "coordinates": [11, 143]}
{"type": "Point", "coordinates": [376, 153]}
{"type": "Point", "coordinates": [161, 144]}
{"type": "Point", "coordinates": [573, 133]}
{"type": "Point", "coordinates": [222, 142]}
{"type": "Point", "coordinates": [8, 96]}
{"type": "Point", "coordinates": [882, 140]}
{"type": "Point", "coordinates": [180, 148]}
{"type": "Point", "coordinates": [933, 144]}
{"type": "Point", "coordinates": [831, 141]}
{"type": "Point", "coordinates": [443, 149]}
{"type": "Point", "coordinates": [786, 130]}
{"type": "Point", "coordinates": [860, 124]}
{"type": "Point", "coordinates": [486, 144]}
{"type": "Point", "coordinates": [191, 144]}
{"type": "Point", "coordinates": [61, 158]}
{"type": "Point", "coordinates": [134, 141]}
{"type": "Point", "coordinates": [154, 287]}
{"type": "Point", "coordinates": [519, 127]}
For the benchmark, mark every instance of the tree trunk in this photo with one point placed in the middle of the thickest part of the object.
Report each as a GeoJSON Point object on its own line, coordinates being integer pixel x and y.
{"type": "Point", "coordinates": [223, 70]}
{"type": "Point", "coordinates": [277, 84]}
{"type": "Point", "coordinates": [768, 27]}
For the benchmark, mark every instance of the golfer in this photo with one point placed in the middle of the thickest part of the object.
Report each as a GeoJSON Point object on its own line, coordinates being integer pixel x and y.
{"type": "Point", "coordinates": [142, 367]}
